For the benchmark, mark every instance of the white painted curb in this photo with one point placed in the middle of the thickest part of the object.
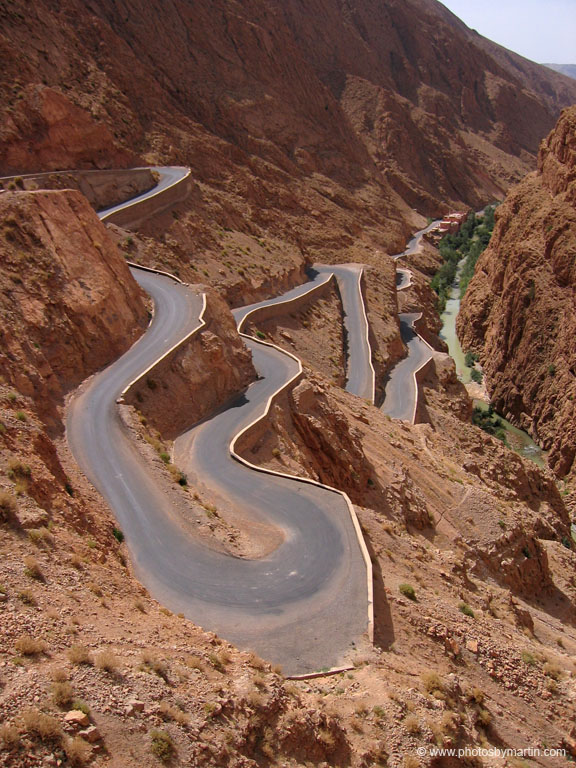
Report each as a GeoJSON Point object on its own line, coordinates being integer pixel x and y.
{"type": "Point", "coordinates": [416, 387]}
{"type": "Point", "coordinates": [367, 327]}
{"type": "Point", "coordinates": [145, 199]}
{"type": "Point", "coordinates": [273, 396]}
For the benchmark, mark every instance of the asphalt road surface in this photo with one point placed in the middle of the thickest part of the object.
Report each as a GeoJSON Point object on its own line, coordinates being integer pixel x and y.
{"type": "Point", "coordinates": [403, 278]}
{"type": "Point", "coordinates": [401, 393]}
{"type": "Point", "coordinates": [414, 241]}
{"type": "Point", "coordinates": [169, 175]}
{"type": "Point", "coordinates": [306, 603]}
{"type": "Point", "coordinates": [302, 606]}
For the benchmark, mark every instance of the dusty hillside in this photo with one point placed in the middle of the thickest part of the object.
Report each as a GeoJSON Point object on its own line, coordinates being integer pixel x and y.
{"type": "Point", "coordinates": [519, 309]}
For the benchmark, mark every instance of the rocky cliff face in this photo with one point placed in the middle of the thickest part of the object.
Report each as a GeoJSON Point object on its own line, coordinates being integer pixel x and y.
{"type": "Point", "coordinates": [519, 311]}
{"type": "Point", "coordinates": [198, 377]}
{"type": "Point", "coordinates": [69, 304]}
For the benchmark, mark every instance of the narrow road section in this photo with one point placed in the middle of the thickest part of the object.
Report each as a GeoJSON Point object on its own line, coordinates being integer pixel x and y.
{"type": "Point", "coordinates": [401, 391]}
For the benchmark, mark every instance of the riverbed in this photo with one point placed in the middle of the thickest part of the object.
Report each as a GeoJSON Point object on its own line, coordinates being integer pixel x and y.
{"type": "Point", "coordinates": [519, 441]}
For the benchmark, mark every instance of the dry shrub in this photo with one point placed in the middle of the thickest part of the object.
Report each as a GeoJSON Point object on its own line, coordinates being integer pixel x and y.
{"type": "Point", "coordinates": [76, 562]}
{"type": "Point", "coordinates": [553, 670]}
{"type": "Point", "coordinates": [77, 751]}
{"type": "Point", "coordinates": [256, 662]}
{"type": "Point", "coordinates": [171, 712]}
{"type": "Point", "coordinates": [151, 663]}
{"type": "Point", "coordinates": [58, 674]}
{"type": "Point", "coordinates": [432, 682]}
{"type": "Point", "coordinates": [32, 568]}
{"type": "Point", "coordinates": [44, 727]}
{"type": "Point", "coordinates": [95, 589]}
{"type": "Point", "coordinates": [79, 654]}
{"type": "Point", "coordinates": [450, 722]}
{"type": "Point", "coordinates": [61, 693]}
{"type": "Point", "coordinates": [259, 681]}
{"type": "Point", "coordinates": [484, 717]}
{"type": "Point", "coordinates": [28, 597]}
{"type": "Point", "coordinates": [255, 699]}
{"type": "Point", "coordinates": [194, 662]}
{"type": "Point", "coordinates": [40, 536]}
{"type": "Point", "coordinates": [107, 661]}
{"type": "Point", "coordinates": [9, 736]}
{"type": "Point", "coordinates": [8, 507]}
{"type": "Point", "coordinates": [161, 745]}
{"type": "Point", "coordinates": [412, 725]}
{"type": "Point", "coordinates": [29, 646]}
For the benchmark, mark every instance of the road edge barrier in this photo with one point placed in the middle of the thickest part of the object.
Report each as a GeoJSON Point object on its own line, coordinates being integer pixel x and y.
{"type": "Point", "coordinates": [175, 347]}
{"type": "Point", "coordinates": [183, 180]}
{"type": "Point", "coordinates": [425, 363]}
{"type": "Point", "coordinates": [369, 345]}
{"type": "Point", "coordinates": [232, 448]}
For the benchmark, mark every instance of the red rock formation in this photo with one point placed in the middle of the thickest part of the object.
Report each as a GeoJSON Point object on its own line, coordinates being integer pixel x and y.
{"type": "Point", "coordinates": [519, 311]}
{"type": "Point", "coordinates": [198, 377]}
{"type": "Point", "coordinates": [69, 304]}
{"type": "Point", "coordinates": [346, 100]}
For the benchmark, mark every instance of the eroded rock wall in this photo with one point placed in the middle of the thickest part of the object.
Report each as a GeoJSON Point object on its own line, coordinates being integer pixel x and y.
{"type": "Point", "coordinates": [520, 308]}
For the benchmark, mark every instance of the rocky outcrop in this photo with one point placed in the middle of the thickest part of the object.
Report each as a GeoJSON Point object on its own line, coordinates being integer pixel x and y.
{"type": "Point", "coordinates": [200, 375]}
{"type": "Point", "coordinates": [69, 303]}
{"type": "Point", "coordinates": [439, 386]}
{"type": "Point", "coordinates": [308, 435]}
{"type": "Point", "coordinates": [519, 310]}
{"type": "Point", "coordinates": [101, 188]}
{"type": "Point", "coordinates": [44, 130]}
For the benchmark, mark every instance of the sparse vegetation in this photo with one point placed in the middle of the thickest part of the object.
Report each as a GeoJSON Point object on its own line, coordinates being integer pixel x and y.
{"type": "Point", "coordinates": [151, 663]}
{"type": "Point", "coordinates": [412, 725]}
{"type": "Point", "coordinates": [61, 693]}
{"type": "Point", "coordinates": [40, 725]}
{"type": "Point", "coordinates": [486, 419]}
{"type": "Point", "coordinates": [161, 745]}
{"type": "Point", "coordinates": [77, 750]}
{"type": "Point", "coordinates": [171, 712]}
{"type": "Point", "coordinates": [107, 661]}
{"type": "Point", "coordinates": [79, 654]}
{"type": "Point", "coordinates": [528, 658]}
{"type": "Point", "coordinates": [432, 682]}
{"type": "Point", "coordinates": [8, 507]}
{"type": "Point", "coordinates": [466, 610]}
{"type": "Point", "coordinates": [118, 535]}
{"type": "Point", "coordinates": [9, 736]}
{"type": "Point", "coordinates": [408, 591]}
{"type": "Point", "coordinates": [29, 646]}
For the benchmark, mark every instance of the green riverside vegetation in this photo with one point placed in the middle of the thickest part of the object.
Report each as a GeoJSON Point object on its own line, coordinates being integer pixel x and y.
{"type": "Point", "coordinates": [468, 243]}
{"type": "Point", "coordinates": [487, 420]}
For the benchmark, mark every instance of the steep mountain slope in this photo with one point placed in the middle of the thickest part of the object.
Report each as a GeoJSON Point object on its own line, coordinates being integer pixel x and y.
{"type": "Point", "coordinates": [519, 310]}
{"type": "Point", "coordinates": [338, 103]}
{"type": "Point", "coordinates": [565, 69]}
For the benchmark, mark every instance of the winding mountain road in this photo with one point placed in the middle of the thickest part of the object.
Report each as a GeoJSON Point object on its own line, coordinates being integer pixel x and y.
{"type": "Point", "coordinates": [401, 391]}
{"type": "Point", "coordinates": [168, 176]}
{"type": "Point", "coordinates": [306, 603]}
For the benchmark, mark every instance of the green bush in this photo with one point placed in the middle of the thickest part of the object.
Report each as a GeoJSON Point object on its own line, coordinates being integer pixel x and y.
{"type": "Point", "coordinates": [466, 610]}
{"type": "Point", "coordinates": [476, 375]}
{"type": "Point", "coordinates": [408, 591]}
{"type": "Point", "coordinates": [161, 745]}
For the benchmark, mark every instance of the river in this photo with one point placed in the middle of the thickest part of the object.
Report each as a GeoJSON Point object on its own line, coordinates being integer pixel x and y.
{"type": "Point", "coordinates": [519, 441]}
